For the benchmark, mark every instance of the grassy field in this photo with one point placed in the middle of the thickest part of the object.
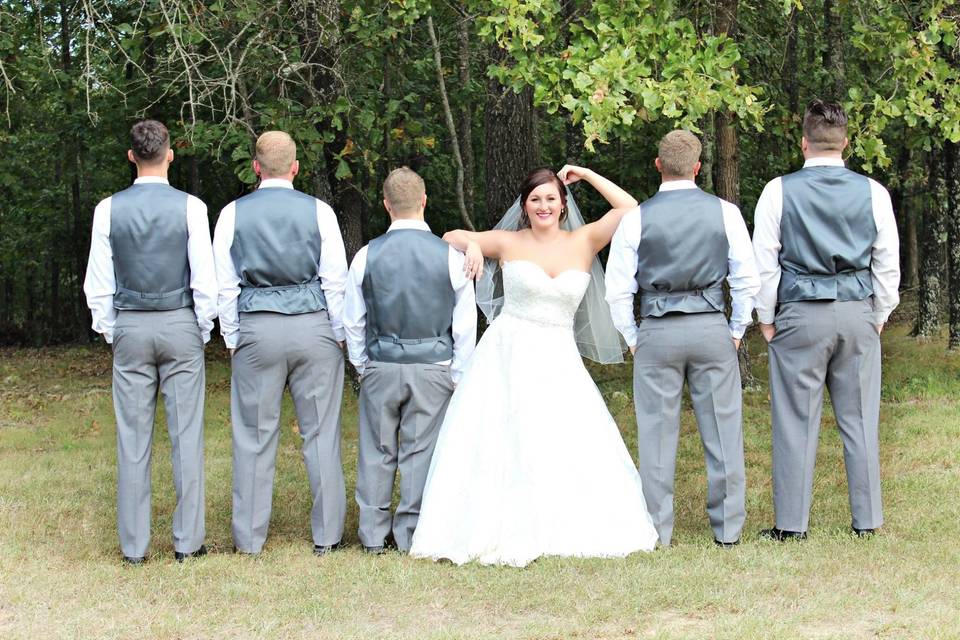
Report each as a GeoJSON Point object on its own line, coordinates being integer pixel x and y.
{"type": "Point", "coordinates": [61, 575]}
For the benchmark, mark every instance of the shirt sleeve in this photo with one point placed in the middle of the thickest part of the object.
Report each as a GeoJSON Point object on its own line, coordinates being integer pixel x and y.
{"type": "Point", "coordinates": [203, 277]}
{"type": "Point", "coordinates": [885, 256]}
{"type": "Point", "coordinates": [100, 283]}
{"type": "Point", "coordinates": [621, 276]}
{"type": "Point", "coordinates": [332, 269]}
{"type": "Point", "coordinates": [464, 316]}
{"type": "Point", "coordinates": [742, 276]}
{"type": "Point", "coordinates": [766, 248]}
{"type": "Point", "coordinates": [355, 312]}
{"type": "Point", "coordinates": [228, 280]}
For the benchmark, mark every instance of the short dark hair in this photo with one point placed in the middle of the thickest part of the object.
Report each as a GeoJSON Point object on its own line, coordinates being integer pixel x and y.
{"type": "Point", "coordinates": [533, 180]}
{"type": "Point", "coordinates": [825, 125]}
{"type": "Point", "coordinates": [149, 140]}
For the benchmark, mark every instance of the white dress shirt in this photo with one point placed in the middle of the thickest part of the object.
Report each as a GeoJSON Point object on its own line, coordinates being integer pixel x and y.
{"type": "Point", "coordinates": [332, 269]}
{"type": "Point", "coordinates": [464, 310]}
{"type": "Point", "coordinates": [621, 277]}
{"type": "Point", "coordinates": [884, 261]}
{"type": "Point", "coordinates": [100, 283]}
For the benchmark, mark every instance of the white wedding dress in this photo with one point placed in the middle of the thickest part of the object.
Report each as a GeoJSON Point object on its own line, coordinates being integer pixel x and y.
{"type": "Point", "coordinates": [529, 461]}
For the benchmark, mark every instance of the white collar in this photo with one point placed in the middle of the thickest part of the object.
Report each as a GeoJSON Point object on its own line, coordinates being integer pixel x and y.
{"type": "Point", "coordinates": [151, 180]}
{"type": "Point", "coordinates": [420, 225]}
{"type": "Point", "coordinates": [823, 162]}
{"type": "Point", "coordinates": [674, 185]}
{"type": "Point", "coordinates": [267, 183]}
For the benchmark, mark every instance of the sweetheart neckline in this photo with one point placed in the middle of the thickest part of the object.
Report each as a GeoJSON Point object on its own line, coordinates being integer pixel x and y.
{"type": "Point", "coordinates": [544, 271]}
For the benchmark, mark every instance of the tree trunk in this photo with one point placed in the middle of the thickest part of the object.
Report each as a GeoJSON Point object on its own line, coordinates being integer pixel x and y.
{"type": "Point", "coordinates": [451, 126]}
{"type": "Point", "coordinates": [727, 170]}
{"type": "Point", "coordinates": [510, 141]}
{"type": "Point", "coordinates": [325, 46]}
{"type": "Point", "coordinates": [931, 251]}
{"type": "Point", "coordinates": [790, 85]}
{"type": "Point", "coordinates": [708, 140]}
{"type": "Point", "coordinates": [951, 167]}
{"type": "Point", "coordinates": [465, 124]}
{"type": "Point", "coordinates": [833, 60]}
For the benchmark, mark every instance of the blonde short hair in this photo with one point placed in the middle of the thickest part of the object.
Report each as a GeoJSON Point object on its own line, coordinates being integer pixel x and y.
{"type": "Point", "coordinates": [679, 152]}
{"type": "Point", "coordinates": [404, 190]}
{"type": "Point", "coordinates": [276, 153]}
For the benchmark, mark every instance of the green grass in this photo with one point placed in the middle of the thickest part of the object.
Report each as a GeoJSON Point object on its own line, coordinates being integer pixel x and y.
{"type": "Point", "coordinates": [60, 574]}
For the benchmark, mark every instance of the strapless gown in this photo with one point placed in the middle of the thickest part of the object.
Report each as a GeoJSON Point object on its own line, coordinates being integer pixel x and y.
{"type": "Point", "coordinates": [529, 462]}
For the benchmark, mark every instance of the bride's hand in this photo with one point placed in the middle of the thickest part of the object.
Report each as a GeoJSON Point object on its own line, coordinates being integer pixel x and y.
{"type": "Point", "coordinates": [572, 173]}
{"type": "Point", "coordinates": [473, 264]}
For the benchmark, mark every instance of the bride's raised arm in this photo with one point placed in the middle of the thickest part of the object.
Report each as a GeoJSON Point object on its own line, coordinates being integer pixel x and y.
{"type": "Point", "coordinates": [599, 233]}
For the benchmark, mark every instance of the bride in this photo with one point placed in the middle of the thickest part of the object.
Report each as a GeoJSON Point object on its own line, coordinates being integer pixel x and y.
{"type": "Point", "coordinates": [529, 461]}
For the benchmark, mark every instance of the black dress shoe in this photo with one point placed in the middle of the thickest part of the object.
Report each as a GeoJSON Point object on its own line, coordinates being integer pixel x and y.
{"type": "Point", "coordinates": [781, 535]}
{"type": "Point", "coordinates": [863, 533]}
{"type": "Point", "coordinates": [726, 545]}
{"type": "Point", "coordinates": [202, 551]}
{"type": "Point", "coordinates": [130, 560]}
{"type": "Point", "coordinates": [324, 549]}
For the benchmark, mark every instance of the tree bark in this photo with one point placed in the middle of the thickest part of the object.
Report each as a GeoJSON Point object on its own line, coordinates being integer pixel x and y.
{"type": "Point", "coordinates": [790, 85]}
{"type": "Point", "coordinates": [951, 167]}
{"type": "Point", "coordinates": [325, 38]}
{"type": "Point", "coordinates": [708, 140]}
{"type": "Point", "coordinates": [833, 60]}
{"type": "Point", "coordinates": [510, 141]}
{"type": "Point", "coordinates": [465, 124]}
{"type": "Point", "coordinates": [451, 126]}
{"type": "Point", "coordinates": [727, 170]}
{"type": "Point", "coordinates": [934, 233]}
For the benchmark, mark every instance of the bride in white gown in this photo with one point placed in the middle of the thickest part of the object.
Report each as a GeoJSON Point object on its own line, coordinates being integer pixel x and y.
{"type": "Point", "coordinates": [529, 461]}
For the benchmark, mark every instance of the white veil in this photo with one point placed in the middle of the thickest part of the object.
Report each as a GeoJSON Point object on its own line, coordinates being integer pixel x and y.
{"type": "Point", "coordinates": [597, 338]}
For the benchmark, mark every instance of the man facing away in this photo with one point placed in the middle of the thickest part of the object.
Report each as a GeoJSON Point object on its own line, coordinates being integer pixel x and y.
{"type": "Point", "coordinates": [281, 269]}
{"type": "Point", "coordinates": [151, 289]}
{"type": "Point", "coordinates": [410, 316]}
{"type": "Point", "coordinates": [826, 244]}
{"type": "Point", "coordinates": [674, 251]}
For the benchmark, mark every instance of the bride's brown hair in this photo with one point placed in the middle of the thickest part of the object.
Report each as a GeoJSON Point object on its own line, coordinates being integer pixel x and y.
{"type": "Point", "coordinates": [534, 179]}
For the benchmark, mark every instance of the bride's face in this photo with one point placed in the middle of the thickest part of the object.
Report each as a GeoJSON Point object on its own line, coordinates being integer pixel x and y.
{"type": "Point", "coordinates": [543, 206]}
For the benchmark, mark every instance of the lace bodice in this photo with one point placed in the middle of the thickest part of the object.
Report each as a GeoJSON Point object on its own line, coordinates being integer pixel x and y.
{"type": "Point", "coordinates": [531, 294]}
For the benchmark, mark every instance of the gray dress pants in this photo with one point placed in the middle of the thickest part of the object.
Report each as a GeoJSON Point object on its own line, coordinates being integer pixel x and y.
{"type": "Point", "coordinates": [165, 349]}
{"type": "Point", "coordinates": [832, 344]}
{"type": "Point", "coordinates": [696, 348]}
{"type": "Point", "coordinates": [276, 350]}
{"type": "Point", "coordinates": [401, 409]}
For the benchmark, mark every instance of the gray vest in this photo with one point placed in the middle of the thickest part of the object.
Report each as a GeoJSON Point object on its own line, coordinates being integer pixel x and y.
{"type": "Point", "coordinates": [826, 234]}
{"type": "Point", "coordinates": [682, 254]}
{"type": "Point", "coordinates": [406, 287]}
{"type": "Point", "coordinates": [276, 251]}
{"type": "Point", "coordinates": [148, 237]}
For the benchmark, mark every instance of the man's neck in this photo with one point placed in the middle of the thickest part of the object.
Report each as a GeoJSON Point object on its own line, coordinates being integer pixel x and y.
{"type": "Point", "coordinates": [810, 154]}
{"type": "Point", "coordinates": [158, 171]}
{"type": "Point", "coordinates": [288, 177]}
{"type": "Point", "coordinates": [416, 217]}
{"type": "Point", "coordinates": [666, 178]}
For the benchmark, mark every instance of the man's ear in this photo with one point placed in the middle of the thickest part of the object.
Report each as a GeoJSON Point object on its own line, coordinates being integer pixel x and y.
{"type": "Point", "coordinates": [256, 167]}
{"type": "Point", "coordinates": [846, 143]}
{"type": "Point", "coordinates": [295, 167]}
{"type": "Point", "coordinates": [132, 158]}
{"type": "Point", "coordinates": [386, 206]}
{"type": "Point", "coordinates": [656, 163]}
{"type": "Point", "coordinates": [423, 205]}
{"type": "Point", "coordinates": [804, 145]}
{"type": "Point", "coordinates": [696, 168]}
{"type": "Point", "coordinates": [169, 156]}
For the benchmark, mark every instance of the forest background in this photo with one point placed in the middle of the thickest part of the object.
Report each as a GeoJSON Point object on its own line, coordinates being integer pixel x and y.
{"type": "Point", "coordinates": [470, 93]}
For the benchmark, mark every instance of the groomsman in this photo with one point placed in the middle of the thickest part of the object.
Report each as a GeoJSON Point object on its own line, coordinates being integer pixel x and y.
{"type": "Point", "coordinates": [411, 319]}
{"type": "Point", "coordinates": [281, 268]}
{"type": "Point", "coordinates": [674, 251]}
{"type": "Point", "coordinates": [151, 289]}
{"type": "Point", "coordinates": [827, 249]}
